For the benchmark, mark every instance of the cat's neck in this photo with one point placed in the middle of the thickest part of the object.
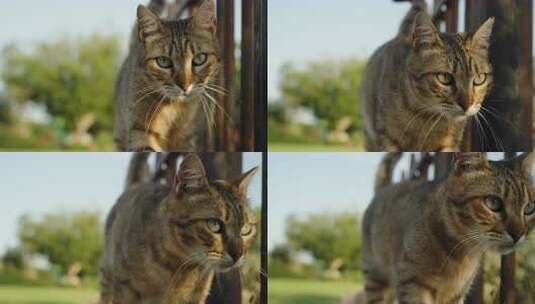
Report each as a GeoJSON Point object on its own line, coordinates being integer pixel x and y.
{"type": "Point", "coordinates": [190, 286]}
{"type": "Point", "coordinates": [456, 237]}
{"type": "Point", "coordinates": [189, 281]}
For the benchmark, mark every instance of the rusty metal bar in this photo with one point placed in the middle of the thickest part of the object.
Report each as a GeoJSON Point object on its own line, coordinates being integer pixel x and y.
{"type": "Point", "coordinates": [225, 24]}
{"type": "Point", "coordinates": [248, 76]}
{"type": "Point", "coordinates": [507, 275]}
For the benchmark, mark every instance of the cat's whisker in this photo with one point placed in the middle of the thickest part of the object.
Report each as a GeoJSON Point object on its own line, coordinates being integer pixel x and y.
{"type": "Point", "coordinates": [188, 261]}
{"type": "Point", "coordinates": [440, 116]}
{"type": "Point", "coordinates": [154, 113]}
{"type": "Point", "coordinates": [498, 142]}
{"type": "Point", "coordinates": [214, 102]}
{"type": "Point", "coordinates": [469, 237]}
{"type": "Point", "coordinates": [481, 130]}
{"type": "Point", "coordinates": [216, 86]}
{"type": "Point", "coordinates": [146, 93]}
{"type": "Point", "coordinates": [216, 90]}
{"type": "Point", "coordinates": [418, 112]}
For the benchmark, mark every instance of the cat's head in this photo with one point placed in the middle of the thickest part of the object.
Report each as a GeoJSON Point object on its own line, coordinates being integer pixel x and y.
{"type": "Point", "coordinates": [211, 220]}
{"type": "Point", "coordinates": [492, 202]}
{"type": "Point", "coordinates": [449, 73]}
{"type": "Point", "coordinates": [181, 58]}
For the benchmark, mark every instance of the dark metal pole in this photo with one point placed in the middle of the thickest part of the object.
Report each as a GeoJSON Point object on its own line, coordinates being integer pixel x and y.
{"type": "Point", "coordinates": [260, 82]}
{"type": "Point", "coordinates": [225, 26]}
{"type": "Point", "coordinates": [248, 84]}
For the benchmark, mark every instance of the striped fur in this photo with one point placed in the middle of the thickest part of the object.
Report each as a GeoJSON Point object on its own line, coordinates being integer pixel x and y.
{"type": "Point", "coordinates": [161, 246]}
{"type": "Point", "coordinates": [406, 106]}
{"type": "Point", "coordinates": [170, 107]}
{"type": "Point", "coordinates": [423, 241]}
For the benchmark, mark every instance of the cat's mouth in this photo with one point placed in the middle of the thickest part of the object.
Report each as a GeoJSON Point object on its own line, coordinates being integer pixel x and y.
{"type": "Point", "coordinates": [506, 246]}
{"type": "Point", "coordinates": [222, 263]}
{"type": "Point", "coordinates": [176, 94]}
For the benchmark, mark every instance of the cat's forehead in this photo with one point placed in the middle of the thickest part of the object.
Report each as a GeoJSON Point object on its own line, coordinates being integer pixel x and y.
{"type": "Point", "coordinates": [229, 194]}
{"type": "Point", "coordinates": [459, 56]}
{"type": "Point", "coordinates": [512, 182]}
{"type": "Point", "coordinates": [181, 31]}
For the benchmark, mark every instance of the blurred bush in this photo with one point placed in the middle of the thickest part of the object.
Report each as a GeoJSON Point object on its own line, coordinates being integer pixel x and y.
{"type": "Point", "coordinates": [70, 77]}
{"type": "Point", "coordinates": [64, 239]}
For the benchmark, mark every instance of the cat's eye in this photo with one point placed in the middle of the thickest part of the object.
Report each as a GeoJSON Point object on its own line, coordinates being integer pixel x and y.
{"type": "Point", "coordinates": [214, 225]}
{"type": "Point", "coordinates": [200, 59]}
{"type": "Point", "coordinates": [445, 78]}
{"type": "Point", "coordinates": [494, 203]}
{"type": "Point", "coordinates": [164, 62]}
{"type": "Point", "coordinates": [246, 229]}
{"type": "Point", "coordinates": [480, 79]}
{"type": "Point", "coordinates": [529, 209]}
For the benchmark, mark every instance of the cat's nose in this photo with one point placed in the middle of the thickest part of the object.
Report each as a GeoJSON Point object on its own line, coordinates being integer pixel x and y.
{"type": "Point", "coordinates": [517, 234]}
{"type": "Point", "coordinates": [236, 252]}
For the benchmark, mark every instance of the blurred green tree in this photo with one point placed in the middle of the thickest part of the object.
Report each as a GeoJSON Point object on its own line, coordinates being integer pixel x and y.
{"type": "Point", "coordinates": [329, 88]}
{"type": "Point", "coordinates": [64, 239]}
{"type": "Point", "coordinates": [328, 237]}
{"type": "Point", "coordinates": [71, 77]}
{"type": "Point", "coordinates": [13, 257]}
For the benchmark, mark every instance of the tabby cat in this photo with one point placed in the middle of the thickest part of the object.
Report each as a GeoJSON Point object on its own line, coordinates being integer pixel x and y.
{"type": "Point", "coordinates": [164, 243]}
{"type": "Point", "coordinates": [423, 241]}
{"type": "Point", "coordinates": [420, 88]}
{"type": "Point", "coordinates": [163, 89]}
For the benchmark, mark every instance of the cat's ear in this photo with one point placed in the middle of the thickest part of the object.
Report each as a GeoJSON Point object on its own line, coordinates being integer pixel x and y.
{"type": "Point", "coordinates": [424, 32]}
{"type": "Point", "coordinates": [205, 16]}
{"type": "Point", "coordinates": [481, 39]}
{"type": "Point", "coordinates": [149, 24]}
{"type": "Point", "coordinates": [526, 161]}
{"type": "Point", "coordinates": [245, 179]}
{"type": "Point", "coordinates": [465, 162]}
{"type": "Point", "coordinates": [191, 176]}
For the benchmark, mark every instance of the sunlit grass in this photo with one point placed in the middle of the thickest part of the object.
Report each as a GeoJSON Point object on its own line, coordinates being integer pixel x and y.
{"type": "Point", "coordinates": [297, 291]}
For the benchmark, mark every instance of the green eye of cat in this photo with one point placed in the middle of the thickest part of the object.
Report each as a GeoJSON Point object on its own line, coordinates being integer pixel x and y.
{"type": "Point", "coordinates": [494, 204]}
{"type": "Point", "coordinates": [480, 79]}
{"type": "Point", "coordinates": [246, 229]}
{"type": "Point", "coordinates": [164, 62]}
{"type": "Point", "coordinates": [445, 78]}
{"type": "Point", "coordinates": [214, 225]}
{"type": "Point", "coordinates": [200, 59]}
{"type": "Point", "coordinates": [530, 209]}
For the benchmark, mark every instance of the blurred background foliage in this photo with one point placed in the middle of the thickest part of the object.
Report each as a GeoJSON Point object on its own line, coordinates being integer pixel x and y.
{"type": "Point", "coordinates": [59, 94]}
{"type": "Point", "coordinates": [319, 106]}
{"type": "Point", "coordinates": [56, 249]}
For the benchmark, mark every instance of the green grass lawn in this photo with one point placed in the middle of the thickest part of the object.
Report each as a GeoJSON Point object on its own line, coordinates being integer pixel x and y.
{"type": "Point", "coordinates": [46, 295]}
{"type": "Point", "coordinates": [295, 291]}
{"type": "Point", "coordinates": [287, 147]}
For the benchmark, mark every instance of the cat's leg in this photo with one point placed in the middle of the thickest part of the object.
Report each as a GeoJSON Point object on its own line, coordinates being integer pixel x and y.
{"type": "Point", "coordinates": [414, 292]}
{"type": "Point", "coordinates": [123, 293]}
{"type": "Point", "coordinates": [139, 141]}
{"type": "Point", "coordinates": [376, 290]}
{"type": "Point", "coordinates": [106, 291]}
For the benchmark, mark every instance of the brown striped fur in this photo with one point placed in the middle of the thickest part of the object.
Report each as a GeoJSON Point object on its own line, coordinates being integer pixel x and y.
{"type": "Point", "coordinates": [406, 107]}
{"type": "Point", "coordinates": [159, 246]}
{"type": "Point", "coordinates": [423, 241]}
{"type": "Point", "coordinates": [171, 108]}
